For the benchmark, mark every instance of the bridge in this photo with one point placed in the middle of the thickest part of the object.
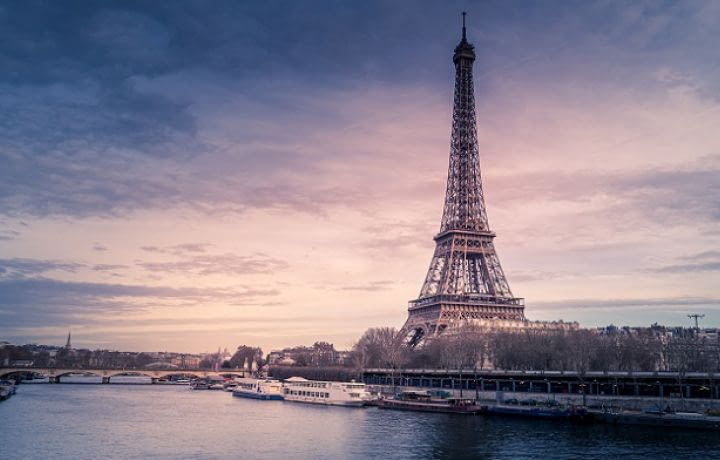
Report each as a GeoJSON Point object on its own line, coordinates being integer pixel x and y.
{"type": "Point", "coordinates": [55, 374]}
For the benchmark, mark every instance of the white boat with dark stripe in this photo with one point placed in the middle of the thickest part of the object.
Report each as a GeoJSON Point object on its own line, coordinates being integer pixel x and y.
{"type": "Point", "coordinates": [298, 389]}
{"type": "Point", "coordinates": [258, 389]}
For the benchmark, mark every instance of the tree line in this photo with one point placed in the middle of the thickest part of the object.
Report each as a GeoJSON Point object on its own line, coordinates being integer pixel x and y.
{"type": "Point", "coordinates": [583, 350]}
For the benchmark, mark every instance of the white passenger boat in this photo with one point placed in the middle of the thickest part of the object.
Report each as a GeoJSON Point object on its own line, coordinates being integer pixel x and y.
{"type": "Point", "coordinates": [322, 392]}
{"type": "Point", "coordinates": [258, 389]}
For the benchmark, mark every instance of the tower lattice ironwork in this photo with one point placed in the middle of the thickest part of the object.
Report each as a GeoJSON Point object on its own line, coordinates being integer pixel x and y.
{"type": "Point", "coordinates": [465, 280]}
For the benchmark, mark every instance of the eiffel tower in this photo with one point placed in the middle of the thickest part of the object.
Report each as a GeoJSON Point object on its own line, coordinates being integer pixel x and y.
{"type": "Point", "coordinates": [465, 281]}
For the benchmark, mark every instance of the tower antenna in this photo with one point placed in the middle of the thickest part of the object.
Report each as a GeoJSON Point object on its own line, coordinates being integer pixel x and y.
{"type": "Point", "coordinates": [463, 15]}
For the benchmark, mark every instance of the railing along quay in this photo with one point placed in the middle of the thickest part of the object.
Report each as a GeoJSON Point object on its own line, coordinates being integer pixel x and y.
{"type": "Point", "coordinates": [698, 385]}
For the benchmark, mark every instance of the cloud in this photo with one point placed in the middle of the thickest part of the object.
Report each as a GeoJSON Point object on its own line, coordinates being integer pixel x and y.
{"type": "Point", "coordinates": [685, 192]}
{"type": "Point", "coordinates": [712, 255]}
{"type": "Point", "coordinates": [218, 264]}
{"type": "Point", "coordinates": [179, 249]}
{"type": "Point", "coordinates": [43, 301]}
{"type": "Point", "coordinates": [706, 261]}
{"type": "Point", "coordinates": [596, 129]}
{"type": "Point", "coordinates": [689, 268]}
{"type": "Point", "coordinates": [17, 267]}
{"type": "Point", "coordinates": [7, 235]}
{"type": "Point", "coordinates": [538, 275]}
{"type": "Point", "coordinates": [193, 259]}
{"type": "Point", "coordinates": [372, 286]}
{"type": "Point", "coordinates": [108, 267]}
{"type": "Point", "coordinates": [120, 107]}
{"type": "Point", "coordinates": [603, 304]}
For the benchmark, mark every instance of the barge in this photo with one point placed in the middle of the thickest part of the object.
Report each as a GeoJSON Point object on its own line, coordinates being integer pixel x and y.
{"type": "Point", "coordinates": [423, 402]}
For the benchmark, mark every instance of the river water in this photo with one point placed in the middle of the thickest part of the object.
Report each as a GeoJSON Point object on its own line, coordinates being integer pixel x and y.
{"type": "Point", "coordinates": [69, 421]}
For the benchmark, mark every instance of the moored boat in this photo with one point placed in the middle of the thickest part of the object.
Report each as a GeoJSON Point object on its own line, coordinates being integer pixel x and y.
{"type": "Point", "coordinates": [230, 386]}
{"type": "Point", "coordinates": [199, 384]}
{"type": "Point", "coordinates": [298, 389]}
{"type": "Point", "coordinates": [422, 401]}
{"type": "Point", "coordinates": [266, 389]}
{"type": "Point", "coordinates": [10, 385]}
{"type": "Point", "coordinates": [571, 413]}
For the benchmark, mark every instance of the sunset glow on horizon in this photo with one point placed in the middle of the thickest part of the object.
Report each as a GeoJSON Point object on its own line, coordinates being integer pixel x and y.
{"type": "Point", "coordinates": [182, 179]}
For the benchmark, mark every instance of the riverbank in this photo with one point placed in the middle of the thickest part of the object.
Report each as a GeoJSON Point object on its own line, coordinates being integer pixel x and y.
{"type": "Point", "coordinates": [659, 412]}
{"type": "Point", "coordinates": [638, 403]}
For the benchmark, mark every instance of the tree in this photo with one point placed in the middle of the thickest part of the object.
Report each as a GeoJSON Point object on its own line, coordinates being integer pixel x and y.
{"type": "Point", "coordinates": [382, 347]}
{"type": "Point", "coordinates": [368, 350]}
{"type": "Point", "coordinates": [245, 353]}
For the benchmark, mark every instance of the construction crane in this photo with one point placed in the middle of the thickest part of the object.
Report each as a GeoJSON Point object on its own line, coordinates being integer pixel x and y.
{"type": "Point", "coordinates": [696, 317]}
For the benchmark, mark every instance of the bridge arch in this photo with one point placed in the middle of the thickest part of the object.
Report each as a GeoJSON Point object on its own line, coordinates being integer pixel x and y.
{"type": "Point", "coordinates": [55, 374]}
{"type": "Point", "coordinates": [8, 373]}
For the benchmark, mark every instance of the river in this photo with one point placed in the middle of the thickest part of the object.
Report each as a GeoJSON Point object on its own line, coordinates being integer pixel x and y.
{"type": "Point", "coordinates": [72, 421]}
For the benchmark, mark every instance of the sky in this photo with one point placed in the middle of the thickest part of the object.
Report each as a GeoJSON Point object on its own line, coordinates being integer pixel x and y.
{"type": "Point", "coordinates": [186, 175]}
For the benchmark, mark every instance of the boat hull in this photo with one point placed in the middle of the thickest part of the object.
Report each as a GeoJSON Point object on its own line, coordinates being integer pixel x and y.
{"type": "Point", "coordinates": [430, 407]}
{"type": "Point", "coordinates": [539, 412]}
{"type": "Point", "coordinates": [256, 395]}
{"type": "Point", "coordinates": [328, 403]}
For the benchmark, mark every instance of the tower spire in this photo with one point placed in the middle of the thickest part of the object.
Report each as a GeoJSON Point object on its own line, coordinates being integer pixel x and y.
{"type": "Point", "coordinates": [67, 344]}
{"type": "Point", "coordinates": [463, 36]}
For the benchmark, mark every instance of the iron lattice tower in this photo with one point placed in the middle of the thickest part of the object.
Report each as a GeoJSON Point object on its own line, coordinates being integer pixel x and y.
{"type": "Point", "coordinates": [465, 280]}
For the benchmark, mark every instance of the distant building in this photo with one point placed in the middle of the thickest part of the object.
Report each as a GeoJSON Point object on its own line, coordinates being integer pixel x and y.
{"type": "Point", "coordinates": [321, 354]}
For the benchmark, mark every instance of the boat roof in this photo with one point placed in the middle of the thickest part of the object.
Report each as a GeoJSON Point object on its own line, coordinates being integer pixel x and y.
{"type": "Point", "coordinates": [296, 379]}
